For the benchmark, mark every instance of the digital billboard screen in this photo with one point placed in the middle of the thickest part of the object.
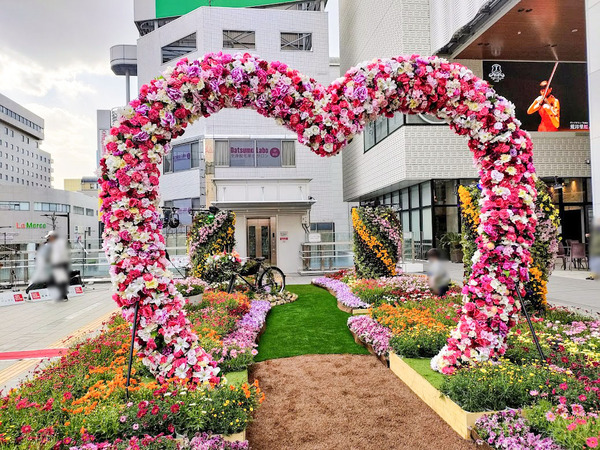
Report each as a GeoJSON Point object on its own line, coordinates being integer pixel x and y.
{"type": "Point", "coordinates": [548, 96]}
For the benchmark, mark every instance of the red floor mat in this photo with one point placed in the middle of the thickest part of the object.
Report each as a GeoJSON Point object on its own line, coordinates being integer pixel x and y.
{"type": "Point", "coordinates": [29, 354]}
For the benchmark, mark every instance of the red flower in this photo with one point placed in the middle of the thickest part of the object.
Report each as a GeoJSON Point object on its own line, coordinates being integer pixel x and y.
{"type": "Point", "coordinates": [25, 429]}
{"type": "Point", "coordinates": [175, 408]}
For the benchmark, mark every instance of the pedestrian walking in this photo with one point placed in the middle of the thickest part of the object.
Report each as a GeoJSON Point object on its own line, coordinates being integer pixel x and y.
{"type": "Point", "coordinates": [59, 262]}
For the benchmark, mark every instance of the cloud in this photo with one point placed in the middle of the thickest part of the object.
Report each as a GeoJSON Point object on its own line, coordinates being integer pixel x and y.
{"type": "Point", "coordinates": [19, 73]}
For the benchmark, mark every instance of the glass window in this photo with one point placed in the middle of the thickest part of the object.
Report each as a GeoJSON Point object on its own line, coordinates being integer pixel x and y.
{"type": "Point", "coordinates": [296, 41]}
{"type": "Point", "coordinates": [415, 218]}
{"type": "Point", "coordinates": [396, 198]}
{"type": "Point", "coordinates": [381, 130]}
{"type": "Point", "coordinates": [241, 153]}
{"type": "Point", "coordinates": [239, 39]}
{"type": "Point", "coordinates": [184, 205]}
{"type": "Point", "coordinates": [288, 153]}
{"type": "Point", "coordinates": [573, 190]}
{"type": "Point", "coordinates": [268, 153]}
{"type": "Point", "coordinates": [182, 157]}
{"type": "Point", "coordinates": [78, 210]}
{"type": "Point", "coordinates": [395, 122]}
{"type": "Point", "coordinates": [168, 163]}
{"type": "Point", "coordinates": [427, 224]}
{"type": "Point", "coordinates": [405, 218]}
{"type": "Point", "coordinates": [404, 198]}
{"type": "Point", "coordinates": [222, 153]}
{"type": "Point", "coordinates": [195, 154]}
{"type": "Point", "coordinates": [426, 194]}
{"type": "Point", "coordinates": [414, 197]}
{"type": "Point", "coordinates": [89, 212]}
{"type": "Point", "coordinates": [444, 192]}
{"type": "Point", "coordinates": [369, 134]}
{"type": "Point", "coordinates": [177, 49]}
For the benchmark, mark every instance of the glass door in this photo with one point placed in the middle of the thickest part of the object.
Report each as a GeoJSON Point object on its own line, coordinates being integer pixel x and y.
{"type": "Point", "coordinates": [259, 238]}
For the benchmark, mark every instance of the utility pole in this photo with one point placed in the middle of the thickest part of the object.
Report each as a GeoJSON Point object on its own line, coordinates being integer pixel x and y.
{"type": "Point", "coordinates": [53, 217]}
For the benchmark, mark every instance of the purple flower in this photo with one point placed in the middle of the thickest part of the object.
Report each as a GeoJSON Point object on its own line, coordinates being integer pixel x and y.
{"type": "Point", "coordinates": [342, 292]}
{"type": "Point", "coordinates": [174, 94]}
{"type": "Point", "coordinates": [371, 332]}
{"type": "Point", "coordinates": [142, 136]}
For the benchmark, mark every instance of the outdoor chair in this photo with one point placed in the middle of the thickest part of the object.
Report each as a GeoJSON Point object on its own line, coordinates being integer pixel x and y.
{"type": "Point", "coordinates": [562, 255]}
{"type": "Point", "coordinates": [578, 256]}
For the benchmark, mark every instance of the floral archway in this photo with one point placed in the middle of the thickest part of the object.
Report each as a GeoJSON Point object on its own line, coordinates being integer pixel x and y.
{"type": "Point", "coordinates": [325, 119]}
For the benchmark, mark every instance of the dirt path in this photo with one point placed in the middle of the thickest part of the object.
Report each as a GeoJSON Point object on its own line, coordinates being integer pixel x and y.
{"type": "Point", "coordinates": [342, 402]}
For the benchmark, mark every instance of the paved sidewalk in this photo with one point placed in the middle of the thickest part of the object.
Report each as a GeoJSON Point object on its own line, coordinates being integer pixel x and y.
{"type": "Point", "coordinates": [36, 326]}
{"type": "Point", "coordinates": [565, 288]}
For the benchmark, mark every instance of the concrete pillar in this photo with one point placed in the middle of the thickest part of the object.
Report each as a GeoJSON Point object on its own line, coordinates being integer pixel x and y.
{"type": "Point", "coordinates": [593, 49]}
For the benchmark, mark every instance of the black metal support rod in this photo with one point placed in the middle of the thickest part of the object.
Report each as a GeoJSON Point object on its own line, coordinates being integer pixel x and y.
{"type": "Point", "coordinates": [535, 338]}
{"type": "Point", "coordinates": [133, 332]}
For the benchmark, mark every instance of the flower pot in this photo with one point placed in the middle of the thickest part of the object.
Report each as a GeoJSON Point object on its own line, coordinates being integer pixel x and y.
{"type": "Point", "coordinates": [456, 255]}
{"type": "Point", "coordinates": [195, 299]}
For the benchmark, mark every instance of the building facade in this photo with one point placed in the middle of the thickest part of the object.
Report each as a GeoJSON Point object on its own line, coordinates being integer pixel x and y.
{"type": "Point", "coordinates": [415, 163]}
{"type": "Point", "coordinates": [239, 160]}
{"type": "Point", "coordinates": [22, 161]}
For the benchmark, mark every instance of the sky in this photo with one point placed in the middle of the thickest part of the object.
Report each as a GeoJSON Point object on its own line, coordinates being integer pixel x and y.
{"type": "Point", "coordinates": [54, 60]}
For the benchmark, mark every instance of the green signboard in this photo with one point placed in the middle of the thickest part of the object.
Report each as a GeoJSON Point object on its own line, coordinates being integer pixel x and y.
{"type": "Point", "coordinates": [170, 8]}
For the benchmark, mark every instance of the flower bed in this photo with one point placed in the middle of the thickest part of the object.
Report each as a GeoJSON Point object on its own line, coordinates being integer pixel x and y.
{"type": "Point", "coordinates": [228, 326]}
{"type": "Point", "coordinates": [341, 291]}
{"type": "Point", "coordinates": [560, 397]}
{"type": "Point", "coordinates": [371, 333]}
{"type": "Point", "coordinates": [79, 401]}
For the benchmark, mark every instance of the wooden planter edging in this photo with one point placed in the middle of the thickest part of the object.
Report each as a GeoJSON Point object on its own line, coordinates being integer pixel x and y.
{"type": "Point", "coordinates": [460, 420]}
{"type": "Point", "coordinates": [241, 436]}
{"type": "Point", "coordinates": [382, 358]}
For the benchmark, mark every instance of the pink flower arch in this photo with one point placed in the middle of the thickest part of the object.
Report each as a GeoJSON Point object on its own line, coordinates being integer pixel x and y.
{"type": "Point", "coordinates": [325, 119]}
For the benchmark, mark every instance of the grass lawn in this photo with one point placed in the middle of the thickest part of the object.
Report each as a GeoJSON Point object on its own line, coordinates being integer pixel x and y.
{"type": "Point", "coordinates": [423, 368]}
{"type": "Point", "coordinates": [311, 325]}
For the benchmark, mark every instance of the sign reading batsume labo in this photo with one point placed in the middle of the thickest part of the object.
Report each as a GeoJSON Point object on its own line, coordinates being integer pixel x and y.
{"type": "Point", "coordinates": [547, 96]}
{"type": "Point", "coordinates": [250, 153]}
{"type": "Point", "coordinates": [30, 226]}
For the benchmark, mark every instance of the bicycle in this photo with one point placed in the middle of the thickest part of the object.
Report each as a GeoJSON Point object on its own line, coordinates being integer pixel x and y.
{"type": "Point", "coordinates": [268, 279]}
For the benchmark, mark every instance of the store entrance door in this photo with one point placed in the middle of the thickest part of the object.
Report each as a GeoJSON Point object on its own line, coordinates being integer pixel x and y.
{"type": "Point", "coordinates": [259, 238]}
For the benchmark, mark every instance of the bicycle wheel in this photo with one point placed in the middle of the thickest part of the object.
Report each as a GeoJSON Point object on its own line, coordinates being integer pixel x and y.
{"type": "Point", "coordinates": [271, 281]}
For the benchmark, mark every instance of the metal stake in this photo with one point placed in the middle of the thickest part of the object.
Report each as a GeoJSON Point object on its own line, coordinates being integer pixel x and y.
{"type": "Point", "coordinates": [535, 338]}
{"type": "Point", "coordinates": [133, 331]}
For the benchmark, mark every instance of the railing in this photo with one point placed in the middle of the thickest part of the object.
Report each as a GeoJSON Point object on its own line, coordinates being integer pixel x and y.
{"type": "Point", "coordinates": [18, 266]}
{"type": "Point", "coordinates": [326, 251]}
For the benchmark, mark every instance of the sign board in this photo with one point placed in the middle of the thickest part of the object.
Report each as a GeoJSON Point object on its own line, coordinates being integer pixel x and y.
{"type": "Point", "coordinates": [40, 295]}
{"type": "Point", "coordinates": [314, 237]}
{"type": "Point", "coordinates": [283, 236]}
{"type": "Point", "coordinates": [12, 298]}
{"type": "Point", "coordinates": [75, 290]}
